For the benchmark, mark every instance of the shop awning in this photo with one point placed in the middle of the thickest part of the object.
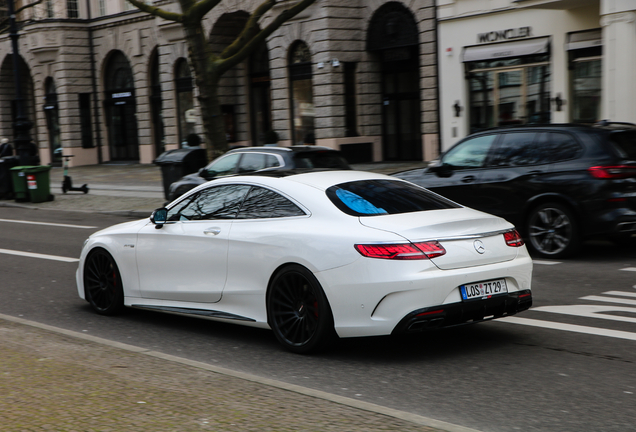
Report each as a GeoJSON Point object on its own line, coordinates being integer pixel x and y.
{"type": "Point", "coordinates": [584, 39]}
{"type": "Point", "coordinates": [506, 49]}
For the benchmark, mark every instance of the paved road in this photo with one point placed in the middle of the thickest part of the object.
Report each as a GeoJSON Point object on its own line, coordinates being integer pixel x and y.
{"type": "Point", "coordinates": [566, 365]}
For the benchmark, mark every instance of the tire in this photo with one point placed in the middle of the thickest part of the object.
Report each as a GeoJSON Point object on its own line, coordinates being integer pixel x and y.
{"type": "Point", "coordinates": [552, 231]}
{"type": "Point", "coordinates": [102, 283]}
{"type": "Point", "coordinates": [298, 311]}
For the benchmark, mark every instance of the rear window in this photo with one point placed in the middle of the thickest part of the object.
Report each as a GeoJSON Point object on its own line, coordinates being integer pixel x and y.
{"type": "Point", "coordinates": [625, 144]}
{"type": "Point", "coordinates": [320, 159]}
{"type": "Point", "coordinates": [381, 197]}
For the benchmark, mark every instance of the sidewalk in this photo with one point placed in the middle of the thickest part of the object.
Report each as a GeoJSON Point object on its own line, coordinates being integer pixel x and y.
{"type": "Point", "coordinates": [66, 381]}
{"type": "Point", "coordinates": [57, 380]}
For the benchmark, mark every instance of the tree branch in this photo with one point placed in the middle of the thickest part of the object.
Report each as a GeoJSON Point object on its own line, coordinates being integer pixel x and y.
{"type": "Point", "coordinates": [260, 37]}
{"type": "Point", "coordinates": [249, 31]}
{"type": "Point", "coordinates": [28, 6]}
{"type": "Point", "coordinates": [198, 10]}
{"type": "Point", "coordinates": [156, 11]}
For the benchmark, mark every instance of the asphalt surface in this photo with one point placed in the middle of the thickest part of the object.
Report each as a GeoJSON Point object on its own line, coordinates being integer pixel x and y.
{"type": "Point", "coordinates": [55, 379]}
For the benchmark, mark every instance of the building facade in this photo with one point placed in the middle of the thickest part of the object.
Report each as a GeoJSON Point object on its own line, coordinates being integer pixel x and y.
{"type": "Point", "coordinates": [107, 83]}
{"type": "Point", "coordinates": [505, 62]}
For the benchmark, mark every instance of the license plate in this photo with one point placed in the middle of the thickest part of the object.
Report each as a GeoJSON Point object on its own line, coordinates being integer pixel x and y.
{"type": "Point", "coordinates": [483, 290]}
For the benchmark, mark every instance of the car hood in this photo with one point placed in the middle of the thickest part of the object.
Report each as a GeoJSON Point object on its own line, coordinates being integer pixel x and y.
{"type": "Point", "coordinates": [459, 231]}
{"type": "Point", "coordinates": [123, 228]}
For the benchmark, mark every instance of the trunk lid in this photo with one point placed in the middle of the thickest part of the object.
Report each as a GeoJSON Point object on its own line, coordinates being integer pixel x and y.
{"type": "Point", "coordinates": [471, 238]}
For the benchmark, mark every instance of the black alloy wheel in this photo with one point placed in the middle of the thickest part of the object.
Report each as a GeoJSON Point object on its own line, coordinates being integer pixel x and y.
{"type": "Point", "coordinates": [102, 283]}
{"type": "Point", "coordinates": [552, 231]}
{"type": "Point", "coordinates": [298, 311]}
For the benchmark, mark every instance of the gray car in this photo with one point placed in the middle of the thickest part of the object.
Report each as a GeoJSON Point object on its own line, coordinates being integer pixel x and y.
{"type": "Point", "coordinates": [251, 159]}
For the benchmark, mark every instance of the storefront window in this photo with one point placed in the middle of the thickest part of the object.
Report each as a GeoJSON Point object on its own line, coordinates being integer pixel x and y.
{"type": "Point", "coordinates": [586, 91]}
{"type": "Point", "coordinates": [585, 50]}
{"type": "Point", "coordinates": [509, 91]}
{"type": "Point", "coordinates": [302, 95]}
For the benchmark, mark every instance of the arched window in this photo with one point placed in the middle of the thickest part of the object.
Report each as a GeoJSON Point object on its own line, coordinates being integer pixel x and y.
{"type": "Point", "coordinates": [185, 101]}
{"type": "Point", "coordinates": [121, 109]}
{"type": "Point", "coordinates": [52, 121]}
{"type": "Point", "coordinates": [260, 95]}
{"type": "Point", "coordinates": [301, 94]}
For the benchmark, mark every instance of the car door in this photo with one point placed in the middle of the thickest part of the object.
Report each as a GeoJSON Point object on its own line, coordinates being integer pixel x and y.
{"type": "Point", "coordinates": [263, 235]}
{"type": "Point", "coordinates": [458, 173]}
{"type": "Point", "coordinates": [514, 174]}
{"type": "Point", "coordinates": [186, 260]}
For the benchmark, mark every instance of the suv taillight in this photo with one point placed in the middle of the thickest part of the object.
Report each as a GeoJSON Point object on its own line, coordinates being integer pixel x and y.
{"type": "Point", "coordinates": [402, 251]}
{"type": "Point", "coordinates": [612, 171]}
{"type": "Point", "coordinates": [513, 239]}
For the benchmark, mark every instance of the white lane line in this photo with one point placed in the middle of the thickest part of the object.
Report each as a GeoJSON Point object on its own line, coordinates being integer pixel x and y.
{"type": "Point", "coordinates": [593, 311]}
{"type": "Point", "coordinates": [569, 327]}
{"type": "Point", "coordinates": [621, 293]}
{"type": "Point", "coordinates": [629, 269]}
{"type": "Point", "coordinates": [609, 300]}
{"type": "Point", "coordinates": [37, 255]}
{"type": "Point", "coordinates": [48, 224]}
{"type": "Point", "coordinates": [546, 262]}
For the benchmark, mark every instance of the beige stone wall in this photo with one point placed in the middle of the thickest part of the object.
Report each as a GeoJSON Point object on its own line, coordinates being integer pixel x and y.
{"type": "Point", "coordinates": [333, 29]}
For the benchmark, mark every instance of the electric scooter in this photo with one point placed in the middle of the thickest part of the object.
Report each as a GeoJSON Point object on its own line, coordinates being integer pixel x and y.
{"type": "Point", "coordinates": [67, 184]}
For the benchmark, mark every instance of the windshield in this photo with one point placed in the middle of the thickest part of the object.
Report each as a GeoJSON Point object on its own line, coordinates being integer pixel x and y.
{"type": "Point", "coordinates": [381, 197]}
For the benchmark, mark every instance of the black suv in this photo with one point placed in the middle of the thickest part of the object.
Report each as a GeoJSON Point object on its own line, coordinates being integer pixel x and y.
{"type": "Point", "coordinates": [250, 159]}
{"type": "Point", "coordinates": [558, 183]}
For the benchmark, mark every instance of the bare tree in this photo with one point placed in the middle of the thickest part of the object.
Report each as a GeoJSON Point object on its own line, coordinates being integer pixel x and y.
{"type": "Point", "coordinates": [210, 67]}
{"type": "Point", "coordinates": [4, 17]}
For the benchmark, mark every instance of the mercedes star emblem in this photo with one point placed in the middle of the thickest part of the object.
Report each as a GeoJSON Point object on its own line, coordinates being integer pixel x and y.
{"type": "Point", "coordinates": [479, 246]}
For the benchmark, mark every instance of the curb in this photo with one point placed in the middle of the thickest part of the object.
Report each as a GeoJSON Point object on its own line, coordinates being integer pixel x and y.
{"type": "Point", "coordinates": [345, 401]}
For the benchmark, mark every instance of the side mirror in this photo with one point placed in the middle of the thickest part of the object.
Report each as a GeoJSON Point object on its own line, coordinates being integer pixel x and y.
{"type": "Point", "coordinates": [159, 217]}
{"type": "Point", "coordinates": [207, 174]}
{"type": "Point", "coordinates": [441, 170]}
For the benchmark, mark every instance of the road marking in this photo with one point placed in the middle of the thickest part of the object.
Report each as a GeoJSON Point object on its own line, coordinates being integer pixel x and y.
{"type": "Point", "coordinates": [48, 224]}
{"type": "Point", "coordinates": [545, 262]}
{"type": "Point", "coordinates": [569, 327]}
{"type": "Point", "coordinates": [629, 269]}
{"type": "Point", "coordinates": [609, 300]}
{"type": "Point", "coordinates": [37, 255]}
{"type": "Point", "coordinates": [621, 293]}
{"type": "Point", "coordinates": [592, 311]}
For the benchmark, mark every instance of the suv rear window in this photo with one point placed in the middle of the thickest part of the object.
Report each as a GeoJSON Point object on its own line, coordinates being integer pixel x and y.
{"type": "Point", "coordinates": [381, 197]}
{"type": "Point", "coordinates": [625, 144]}
{"type": "Point", "coordinates": [320, 159]}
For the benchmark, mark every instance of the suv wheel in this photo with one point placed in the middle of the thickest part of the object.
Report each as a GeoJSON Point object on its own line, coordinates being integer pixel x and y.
{"type": "Point", "coordinates": [552, 231]}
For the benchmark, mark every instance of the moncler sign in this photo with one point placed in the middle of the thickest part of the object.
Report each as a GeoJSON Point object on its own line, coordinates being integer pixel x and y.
{"type": "Point", "coordinates": [514, 33]}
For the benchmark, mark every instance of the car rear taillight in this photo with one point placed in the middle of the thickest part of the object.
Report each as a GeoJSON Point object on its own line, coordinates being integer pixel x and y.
{"type": "Point", "coordinates": [402, 251]}
{"type": "Point", "coordinates": [513, 239]}
{"type": "Point", "coordinates": [612, 171]}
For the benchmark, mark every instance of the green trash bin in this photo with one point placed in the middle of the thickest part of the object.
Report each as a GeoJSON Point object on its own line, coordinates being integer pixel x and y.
{"type": "Point", "coordinates": [32, 183]}
{"type": "Point", "coordinates": [39, 183]}
{"type": "Point", "coordinates": [18, 178]}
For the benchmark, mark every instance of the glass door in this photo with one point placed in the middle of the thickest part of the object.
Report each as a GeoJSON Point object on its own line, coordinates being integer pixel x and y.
{"type": "Point", "coordinates": [510, 97]}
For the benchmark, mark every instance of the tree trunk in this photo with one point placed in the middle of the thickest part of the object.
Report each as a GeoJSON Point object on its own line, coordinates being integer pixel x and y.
{"type": "Point", "coordinates": [212, 118]}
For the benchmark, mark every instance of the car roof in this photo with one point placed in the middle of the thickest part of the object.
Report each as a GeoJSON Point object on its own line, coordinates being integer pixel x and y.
{"type": "Point", "coordinates": [321, 179]}
{"type": "Point", "coordinates": [279, 150]}
{"type": "Point", "coordinates": [602, 125]}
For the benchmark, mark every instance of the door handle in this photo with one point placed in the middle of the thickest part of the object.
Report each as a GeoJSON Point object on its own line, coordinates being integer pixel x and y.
{"type": "Point", "coordinates": [468, 179]}
{"type": "Point", "coordinates": [212, 231]}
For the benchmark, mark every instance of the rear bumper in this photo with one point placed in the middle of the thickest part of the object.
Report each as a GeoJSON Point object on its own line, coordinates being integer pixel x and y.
{"type": "Point", "coordinates": [455, 314]}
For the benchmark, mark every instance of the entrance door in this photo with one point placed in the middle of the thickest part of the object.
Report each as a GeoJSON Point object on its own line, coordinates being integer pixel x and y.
{"type": "Point", "coordinates": [123, 132]}
{"type": "Point", "coordinates": [401, 111]}
{"type": "Point", "coordinates": [120, 109]}
{"type": "Point", "coordinates": [510, 96]}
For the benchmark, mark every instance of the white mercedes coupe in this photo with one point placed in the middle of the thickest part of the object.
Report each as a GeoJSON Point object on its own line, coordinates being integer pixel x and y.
{"type": "Point", "coordinates": [312, 255]}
